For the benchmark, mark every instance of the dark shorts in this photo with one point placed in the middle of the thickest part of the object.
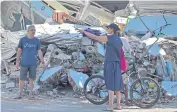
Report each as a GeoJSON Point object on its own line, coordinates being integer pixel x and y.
{"type": "Point", "coordinates": [25, 70]}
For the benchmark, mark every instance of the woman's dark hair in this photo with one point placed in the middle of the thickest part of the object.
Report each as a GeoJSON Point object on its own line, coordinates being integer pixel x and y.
{"type": "Point", "coordinates": [117, 33]}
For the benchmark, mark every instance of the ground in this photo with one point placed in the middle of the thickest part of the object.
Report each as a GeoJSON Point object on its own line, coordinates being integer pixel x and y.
{"type": "Point", "coordinates": [72, 105]}
{"type": "Point", "coordinates": [66, 102]}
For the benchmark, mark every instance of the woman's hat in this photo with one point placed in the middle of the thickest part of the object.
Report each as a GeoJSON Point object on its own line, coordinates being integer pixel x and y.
{"type": "Point", "coordinates": [114, 26]}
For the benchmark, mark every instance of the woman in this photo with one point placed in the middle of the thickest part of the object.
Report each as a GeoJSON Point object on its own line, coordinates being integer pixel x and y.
{"type": "Point", "coordinates": [112, 71]}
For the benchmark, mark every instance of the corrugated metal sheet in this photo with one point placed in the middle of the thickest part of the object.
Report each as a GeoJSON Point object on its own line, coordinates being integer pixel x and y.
{"type": "Point", "coordinates": [112, 5]}
{"type": "Point", "coordinates": [148, 8]}
{"type": "Point", "coordinates": [156, 7]}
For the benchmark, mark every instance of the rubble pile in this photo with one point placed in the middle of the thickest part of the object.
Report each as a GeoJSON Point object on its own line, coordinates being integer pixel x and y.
{"type": "Point", "coordinates": [70, 50]}
{"type": "Point", "coordinates": [163, 52]}
{"type": "Point", "coordinates": [159, 59]}
{"type": "Point", "coordinates": [170, 48]}
{"type": "Point", "coordinates": [71, 58]}
{"type": "Point", "coordinates": [140, 50]}
{"type": "Point", "coordinates": [78, 57]}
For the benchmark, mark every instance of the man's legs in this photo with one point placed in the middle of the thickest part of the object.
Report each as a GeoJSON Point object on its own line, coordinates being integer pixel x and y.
{"type": "Point", "coordinates": [23, 75]}
{"type": "Point", "coordinates": [21, 86]}
{"type": "Point", "coordinates": [32, 77]}
{"type": "Point", "coordinates": [125, 81]}
{"type": "Point", "coordinates": [126, 94]}
{"type": "Point", "coordinates": [31, 84]}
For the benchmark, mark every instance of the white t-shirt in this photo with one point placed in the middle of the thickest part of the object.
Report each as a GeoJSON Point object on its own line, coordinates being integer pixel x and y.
{"type": "Point", "coordinates": [126, 46]}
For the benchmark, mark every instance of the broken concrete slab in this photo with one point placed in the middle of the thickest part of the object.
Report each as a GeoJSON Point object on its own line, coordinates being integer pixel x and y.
{"type": "Point", "coordinates": [5, 66]}
{"type": "Point", "coordinates": [62, 56]}
{"type": "Point", "coordinates": [55, 91]}
{"type": "Point", "coordinates": [86, 41]}
{"type": "Point", "coordinates": [10, 85]}
{"type": "Point", "coordinates": [78, 55]}
{"type": "Point", "coordinates": [89, 49]}
{"type": "Point", "coordinates": [4, 79]}
{"type": "Point", "coordinates": [14, 75]}
{"type": "Point", "coordinates": [49, 93]}
{"type": "Point", "coordinates": [62, 93]}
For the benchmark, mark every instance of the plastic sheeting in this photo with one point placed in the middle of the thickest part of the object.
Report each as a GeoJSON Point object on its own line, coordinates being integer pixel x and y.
{"type": "Point", "coordinates": [49, 72]}
{"type": "Point", "coordinates": [154, 50]}
{"type": "Point", "coordinates": [81, 57]}
{"type": "Point", "coordinates": [100, 49]}
{"type": "Point", "coordinates": [78, 78]}
{"type": "Point", "coordinates": [170, 87]}
{"type": "Point", "coordinates": [153, 23]}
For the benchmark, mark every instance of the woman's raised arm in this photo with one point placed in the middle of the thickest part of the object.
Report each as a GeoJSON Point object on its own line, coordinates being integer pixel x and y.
{"type": "Point", "coordinates": [102, 39]}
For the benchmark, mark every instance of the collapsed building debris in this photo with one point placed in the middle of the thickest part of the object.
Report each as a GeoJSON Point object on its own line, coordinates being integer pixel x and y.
{"type": "Point", "coordinates": [47, 58]}
{"type": "Point", "coordinates": [163, 51]}
{"type": "Point", "coordinates": [72, 58]}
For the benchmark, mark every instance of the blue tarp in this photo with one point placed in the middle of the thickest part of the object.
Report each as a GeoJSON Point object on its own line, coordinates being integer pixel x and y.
{"type": "Point", "coordinates": [153, 23]}
{"type": "Point", "coordinates": [78, 78]}
{"type": "Point", "coordinates": [100, 49]}
{"type": "Point", "coordinates": [81, 57]}
{"type": "Point", "coordinates": [170, 87]}
{"type": "Point", "coordinates": [49, 72]}
{"type": "Point", "coordinates": [169, 66]}
{"type": "Point", "coordinates": [154, 50]}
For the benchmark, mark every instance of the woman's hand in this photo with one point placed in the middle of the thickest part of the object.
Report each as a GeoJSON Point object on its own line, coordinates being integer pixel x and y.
{"type": "Point", "coordinates": [80, 30]}
{"type": "Point", "coordinates": [102, 39]}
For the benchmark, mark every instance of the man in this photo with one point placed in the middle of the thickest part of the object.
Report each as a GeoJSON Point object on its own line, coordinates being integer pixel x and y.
{"type": "Point", "coordinates": [127, 51]}
{"type": "Point", "coordinates": [28, 48]}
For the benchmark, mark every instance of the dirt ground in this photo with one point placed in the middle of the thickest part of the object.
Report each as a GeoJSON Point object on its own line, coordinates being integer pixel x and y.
{"type": "Point", "coordinates": [66, 101]}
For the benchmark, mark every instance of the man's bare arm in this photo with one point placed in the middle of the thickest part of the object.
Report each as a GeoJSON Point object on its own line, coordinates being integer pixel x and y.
{"type": "Point", "coordinates": [19, 52]}
{"type": "Point", "coordinates": [41, 56]}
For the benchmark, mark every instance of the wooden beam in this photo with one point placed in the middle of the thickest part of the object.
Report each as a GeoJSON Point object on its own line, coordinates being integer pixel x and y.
{"type": "Point", "coordinates": [55, 5]}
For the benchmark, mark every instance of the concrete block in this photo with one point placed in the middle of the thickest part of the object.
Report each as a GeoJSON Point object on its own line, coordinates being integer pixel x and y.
{"type": "Point", "coordinates": [10, 85]}
{"type": "Point", "coordinates": [49, 93]}
{"type": "Point", "coordinates": [55, 91]}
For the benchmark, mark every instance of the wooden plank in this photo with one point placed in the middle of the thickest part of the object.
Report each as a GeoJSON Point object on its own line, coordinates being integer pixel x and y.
{"type": "Point", "coordinates": [57, 6]}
